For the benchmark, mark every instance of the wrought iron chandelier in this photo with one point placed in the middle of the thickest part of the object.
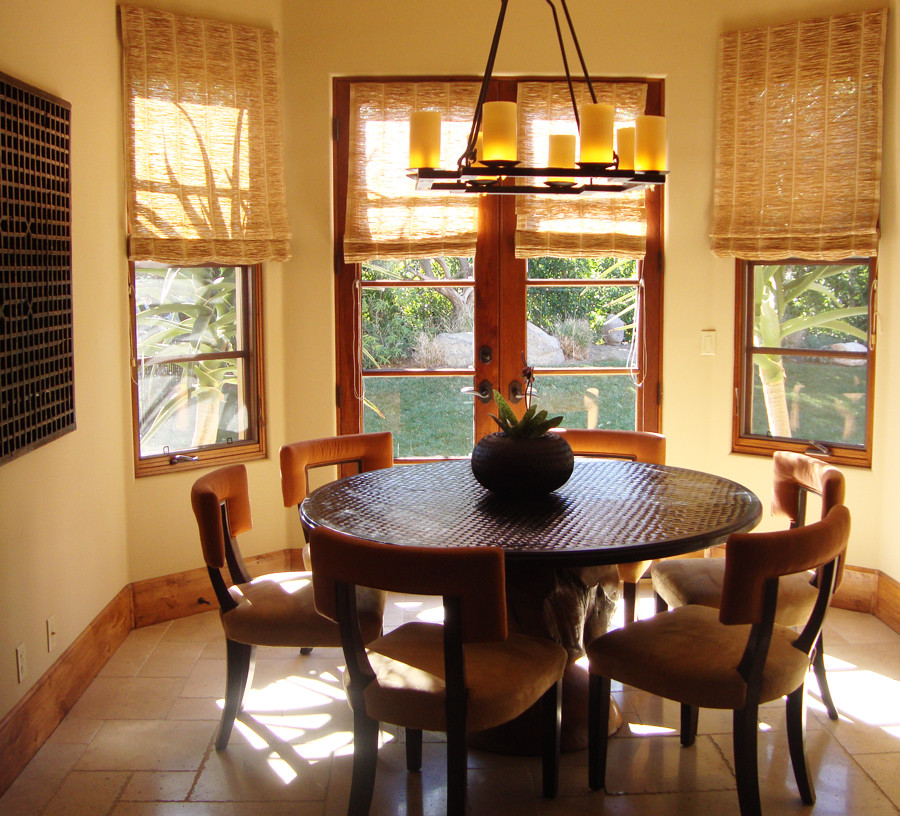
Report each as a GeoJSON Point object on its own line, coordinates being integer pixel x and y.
{"type": "Point", "coordinates": [489, 162]}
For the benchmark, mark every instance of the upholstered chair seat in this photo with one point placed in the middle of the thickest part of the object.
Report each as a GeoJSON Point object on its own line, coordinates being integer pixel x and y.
{"type": "Point", "coordinates": [689, 656]}
{"type": "Point", "coordinates": [410, 683]}
{"type": "Point", "coordinates": [279, 609]}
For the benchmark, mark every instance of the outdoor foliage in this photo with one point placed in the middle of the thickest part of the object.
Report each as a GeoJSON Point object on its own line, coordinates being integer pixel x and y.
{"type": "Point", "coordinates": [810, 306]}
{"type": "Point", "coordinates": [183, 312]}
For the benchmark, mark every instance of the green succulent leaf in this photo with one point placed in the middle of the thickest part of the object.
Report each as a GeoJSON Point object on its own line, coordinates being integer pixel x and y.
{"type": "Point", "coordinates": [532, 424]}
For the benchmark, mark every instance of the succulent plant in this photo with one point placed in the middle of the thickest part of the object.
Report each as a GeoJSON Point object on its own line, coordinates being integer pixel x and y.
{"type": "Point", "coordinates": [532, 424]}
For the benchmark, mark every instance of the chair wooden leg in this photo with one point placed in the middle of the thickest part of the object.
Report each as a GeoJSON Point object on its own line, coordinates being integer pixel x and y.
{"type": "Point", "coordinates": [413, 749]}
{"type": "Point", "coordinates": [629, 594]}
{"type": "Point", "coordinates": [661, 605]}
{"type": "Point", "coordinates": [551, 715]}
{"type": "Point", "coordinates": [365, 758]}
{"type": "Point", "coordinates": [689, 717]}
{"type": "Point", "coordinates": [746, 722]}
{"type": "Point", "coordinates": [239, 674]}
{"type": "Point", "coordinates": [598, 730]}
{"type": "Point", "coordinates": [796, 729]}
{"type": "Point", "coordinates": [456, 769]}
{"type": "Point", "coordinates": [822, 679]}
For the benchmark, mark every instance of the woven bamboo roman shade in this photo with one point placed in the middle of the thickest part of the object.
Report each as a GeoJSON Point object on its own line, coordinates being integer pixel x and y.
{"type": "Point", "coordinates": [386, 217]}
{"type": "Point", "coordinates": [798, 142]}
{"type": "Point", "coordinates": [203, 141]}
{"type": "Point", "coordinates": [587, 226]}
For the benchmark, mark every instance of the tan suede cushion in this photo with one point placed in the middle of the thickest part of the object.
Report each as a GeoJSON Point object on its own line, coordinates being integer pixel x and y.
{"type": "Point", "coordinates": [688, 656]}
{"type": "Point", "coordinates": [699, 581]}
{"type": "Point", "coordinates": [279, 610]}
{"type": "Point", "coordinates": [503, 678]}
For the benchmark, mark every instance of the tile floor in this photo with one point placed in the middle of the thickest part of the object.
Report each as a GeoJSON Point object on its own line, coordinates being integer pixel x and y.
{"type": "Point", "coordinates": [140, 742]}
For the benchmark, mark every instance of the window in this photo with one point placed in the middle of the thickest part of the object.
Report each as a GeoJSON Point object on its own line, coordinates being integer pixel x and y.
{"type": "Point", "coordinates": [804, 352]}
{"type": "Point", "coordinates": [205, 207]}
{"type": "Point", "coordinates": [441, 301]}
{"type": "Point", "coordinates": [197, 373]}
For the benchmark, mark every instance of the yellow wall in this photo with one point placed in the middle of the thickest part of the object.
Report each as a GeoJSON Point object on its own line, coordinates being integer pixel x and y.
{"type": "Point", "coordinates": [75, 526]}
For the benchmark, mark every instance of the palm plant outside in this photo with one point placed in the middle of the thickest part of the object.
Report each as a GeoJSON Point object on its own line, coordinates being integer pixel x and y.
{"type": "Point", "coordinates": [819, 303]}
{"type": "Point", "coordinates": [183, 314]}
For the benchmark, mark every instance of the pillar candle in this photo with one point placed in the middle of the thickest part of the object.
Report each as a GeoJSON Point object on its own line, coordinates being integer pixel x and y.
{"type": "Point", "coordinates": [425, 139]}
{"type": "Point", "coordinates": [498, 120]}
{"type": "Point", "coordinates": [650, 143]}
{"type": "Point", "coordinates": [625, 148]}
{"type": "Point", "coordinates": [596, 133]}
{"type": "Point", "coordinates": [562, 152]}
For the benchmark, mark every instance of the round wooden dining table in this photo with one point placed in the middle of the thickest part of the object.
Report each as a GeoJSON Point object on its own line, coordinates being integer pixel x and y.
{"type": "Point", "coordinates": [561, 549]}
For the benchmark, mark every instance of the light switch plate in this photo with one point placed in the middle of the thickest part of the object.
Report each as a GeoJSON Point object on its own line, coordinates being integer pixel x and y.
{"type": "Point", "coordinates": [708, 342]}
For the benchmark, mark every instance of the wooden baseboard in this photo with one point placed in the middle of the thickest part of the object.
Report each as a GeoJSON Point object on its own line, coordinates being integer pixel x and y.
{"type": "Point", "coordinates": [858, 590]}
{"type": "Point", "coordinates": [25, 728]}
{"type": "Point", "coordinates": [887, 601]}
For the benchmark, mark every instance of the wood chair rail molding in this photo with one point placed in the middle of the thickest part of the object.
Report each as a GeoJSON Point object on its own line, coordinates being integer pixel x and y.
{"type": "Point", "coordinates": [28, 724]}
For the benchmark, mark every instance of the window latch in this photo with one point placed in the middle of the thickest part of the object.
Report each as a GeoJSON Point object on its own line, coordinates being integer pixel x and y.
{"type": "Point", "coordinates": [182, 457]}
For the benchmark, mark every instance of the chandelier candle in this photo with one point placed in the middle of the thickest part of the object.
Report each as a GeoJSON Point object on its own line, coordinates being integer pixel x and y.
{"type": "Point", "coordinates": [499, 129]}
{"type": "Point", "coordinates": [650, 143]}
{"type": "Point", "coordinates": [596, 133]}
{"type": "Point", "coordinates": [425, 139]}
{"type": "Point", "coordinates": [562, 153]}
{"type": "Point", "coordinates": [625, 148]}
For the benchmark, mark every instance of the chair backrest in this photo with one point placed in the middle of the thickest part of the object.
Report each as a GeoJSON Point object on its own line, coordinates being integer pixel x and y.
{"type": "Point", "coordinates": [371, 451]}
{"type": "Point", "coordinates": [221, 503]}
{"type": "Point", "coordinates": [226, 485]}
{"type": "Point", "coordinates": [637, 446]}
{"type": "Point", "coordinates": [796, 476]}
{"type": "Point", "coordinates": [753, 560]}
{"type": "Point", "coordinates": [474, 575]}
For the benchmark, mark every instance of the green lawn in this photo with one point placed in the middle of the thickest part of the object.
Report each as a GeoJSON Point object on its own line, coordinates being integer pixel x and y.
{"type": "Point", "coordinates": [428, 416]}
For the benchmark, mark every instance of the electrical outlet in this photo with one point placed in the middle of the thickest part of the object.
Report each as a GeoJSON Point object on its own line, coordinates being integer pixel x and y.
{"type": "Point", "coordinates": [51, 633]}
{"type": "Point", "coordinates": [21, 668]}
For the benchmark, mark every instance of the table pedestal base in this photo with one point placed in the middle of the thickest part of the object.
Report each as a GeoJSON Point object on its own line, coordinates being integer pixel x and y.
{"type": "Point", "coordinates": [571, 606]}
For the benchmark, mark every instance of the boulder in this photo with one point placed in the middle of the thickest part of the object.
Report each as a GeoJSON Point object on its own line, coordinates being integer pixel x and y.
{"type": "Point", "coordinates": [452, 350]}
{"type": "Point", "coordinates": [612, 331]}
{"type": "Point", "coordinates": [543, 349]}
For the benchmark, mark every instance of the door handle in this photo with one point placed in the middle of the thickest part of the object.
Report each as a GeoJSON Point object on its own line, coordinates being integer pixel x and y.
{"type": "Point", "coordinates": [484, 392]}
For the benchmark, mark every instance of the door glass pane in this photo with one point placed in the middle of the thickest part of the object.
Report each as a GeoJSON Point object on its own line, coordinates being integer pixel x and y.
{"type": "Point", "coordinates": [582, 268]}
{"type": "Point", "coordinates": [428, 416]}
{"type": "Point", "coordinates": [589, 400]}
{"type": "Point", "coordinates": [418, 269]}
{"type": "Point", "coordinates": [580, 325]}
{"type": "Point", "coordinates": [821, 399]}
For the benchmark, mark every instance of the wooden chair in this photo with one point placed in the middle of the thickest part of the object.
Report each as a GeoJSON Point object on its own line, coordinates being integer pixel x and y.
{"type": "Point", "coordinates": [706, 657]}
{"type": "Point", "coordinates": [371, 451]}
{"type": "Point", "coordinates": [637, 446]}
{"type": "Point", "coordinates": [277, 609]}
{"type": "Point", "coordinates": [677, 583]}
{"type": "Point", "coordinates": [468, 674]}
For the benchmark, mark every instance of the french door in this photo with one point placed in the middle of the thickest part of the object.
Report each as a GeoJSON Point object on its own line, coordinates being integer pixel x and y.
{"type": "Point", "coordinates": [423, 343]}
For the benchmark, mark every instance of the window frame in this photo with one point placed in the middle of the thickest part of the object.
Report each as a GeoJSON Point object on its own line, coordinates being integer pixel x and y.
{"type": "Point", "coordinates": [255, 446]}
{"type": "Point", "coordinates": [497, 219]}
{"type": "Point", "coordinates": [743, 441]}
